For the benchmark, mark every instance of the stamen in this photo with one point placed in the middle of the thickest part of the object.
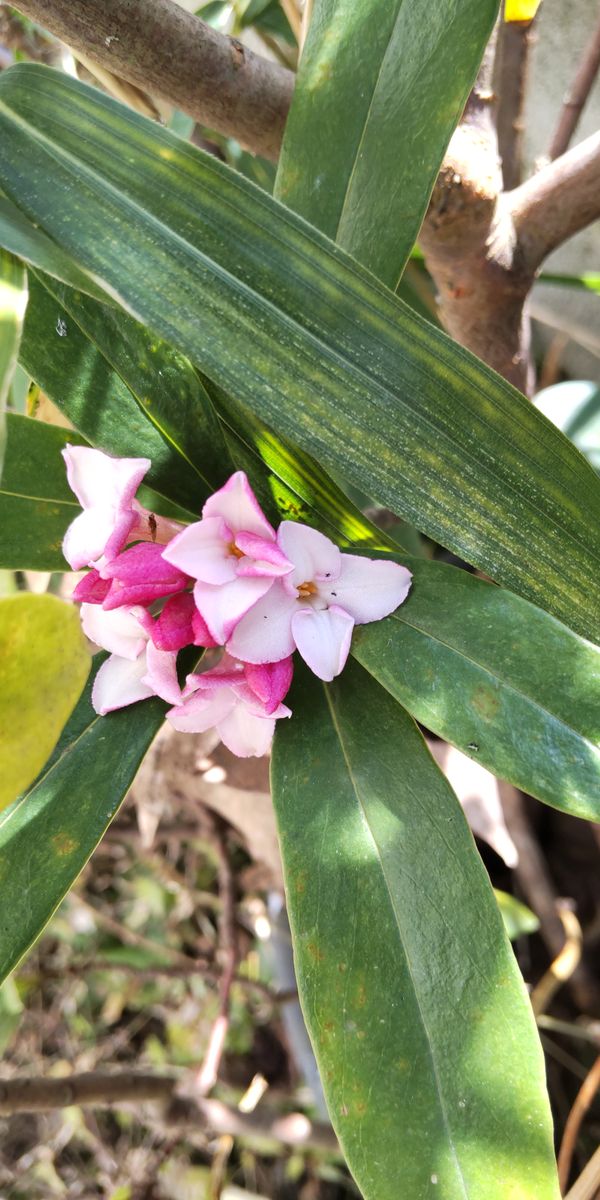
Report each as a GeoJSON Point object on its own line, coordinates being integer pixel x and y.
{"type": "Point", "coordinates": [235, 550]}
{"type": "Point", "coordinates": [307, 589]}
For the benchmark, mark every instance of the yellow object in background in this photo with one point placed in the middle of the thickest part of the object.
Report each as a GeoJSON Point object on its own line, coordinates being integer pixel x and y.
{"type": "Point", "coordinates": [44, 663]}
{"type": "Point", "coordinates": [520, 10]}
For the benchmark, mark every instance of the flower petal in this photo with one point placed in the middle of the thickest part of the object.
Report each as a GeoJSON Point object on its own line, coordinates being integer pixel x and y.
{"type": "Point", "coordinates": [201, 710]}
{"type": "Point", "coordinates": [222, 607]}
{"type": "Point", "coordinates": [270, 681]}
{"type": "Point", "coordinates": [323, 639]}
{"type": "Point", "coordinates": [161, 674]}
{"type": "Point", "coordinates": [173, 628]}
{"type": "Point", "coordinates": [92, 589]}
{"type": "Point", "coordinates": [202, 635]}
{"type": "Point", "coordinates": [99, 480]}
{"type": "Point", "coordinates": [369, 589]}
{"type": "Point", "coordinates": [263, 557]}
{"type": "Point", "coordinates": [143, 563]}
{"type": "Point", "coordinates": [87, 536]}
{"type": "Point", "coordinates": [119, 683]}
{"type": "Point", "coordinates": [236, 504]}
{"type": "Point", "coordinates": [246, 734]}
{"type": "Point", "coordinates": [119, 631]}
{"type": "Point", "coordinates": [264, 635]}
{"type": "Point", "coordinates": [203, 551]}
{"type": "Point", "coordinates": [314, 556]}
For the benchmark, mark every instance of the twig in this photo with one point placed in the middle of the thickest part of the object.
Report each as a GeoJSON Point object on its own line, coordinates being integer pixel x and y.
{"type": "Point", "coordinates": [515, 42]}
{"type": "Point", "coordinates": [229, 954]}
{"type": "Point", "coordinates": [532, 874]}
{"type": "Point", "coordinates": [583, 1100]}
{"type": "Point", "coordinates": [101, 1090]}
{"type": "Point", "coordinates": [564, 964]}
{"type": "Point", "coordinates": [577, 96]}
{"type": "Point", "coordinates": [168, 52]}
{"type": "Point", "coordinates": [560, 200]}
{"type": "Point", "coordinates": [588, 1184]}
{"type": "Point", "coordinates": [584, 1033]}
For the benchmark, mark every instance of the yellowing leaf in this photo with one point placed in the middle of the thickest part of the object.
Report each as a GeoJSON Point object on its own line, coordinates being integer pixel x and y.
{"type": "Point", "coordinates": [44, 663]}
{"type": "Point", "coordinates": [520, 10]}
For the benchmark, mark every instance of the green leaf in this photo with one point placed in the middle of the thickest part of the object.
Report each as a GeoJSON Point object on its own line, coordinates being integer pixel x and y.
{"type": "Point", "coordinates": [13, 301]}
{"type": "Point", "coordinates": [412, 997]}
{"type": "Point", "coordinates": [506, 683]}
{"type": "Point", "coordinates": [20, 237]}
{"type": "Point", "coordinates": [379, 91]}
{"type": "Point", "coordinates": [44, 664]}
{"type": "Point", "coordinates": [125, 390]}
{"type": "Point", "coordinates": [36, 503]}
{"type": "Point", "coordinates": [518, 919]}
{"type": "Point", "coordinates": [291, 326]}
{"type": "Point", "coordinates": [47, 837]}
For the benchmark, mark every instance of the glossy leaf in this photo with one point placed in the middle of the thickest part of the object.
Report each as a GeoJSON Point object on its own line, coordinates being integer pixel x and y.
{"type": "Point", "coordinates": [411, 994]}
{"type": "Point", "coordinates": [379, 91]}
{"type": "Point", "coordinates": [47, 837]}
{"type": "Point", "coordinates": [23, 239]}
{"type": "Point", "coordinates": [291, 326]}
{"type": "Point", "coordinates": [44, 663]}
{"type": "Point", "coordinates": [13, 301]}
{"type": "Point", "coordinates": [125, 390]}
{"type": "Point", "coordinates": [497, 677]}
{"type": "Point", "coordinates": [36, 503]}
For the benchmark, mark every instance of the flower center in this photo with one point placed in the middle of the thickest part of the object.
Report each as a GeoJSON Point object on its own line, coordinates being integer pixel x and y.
{"type": "Point", "coordinates": [235, 551]}
{"type": "Point", "coordinates": [305, 590]}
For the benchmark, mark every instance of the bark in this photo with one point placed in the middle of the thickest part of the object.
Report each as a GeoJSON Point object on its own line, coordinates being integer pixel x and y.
{"type": "Point", "coordinates": [164, 50]}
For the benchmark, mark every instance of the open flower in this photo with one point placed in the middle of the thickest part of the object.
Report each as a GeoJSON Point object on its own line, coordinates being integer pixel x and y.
{"type": "Point", "coordinates": [136, 669]}
{"type": "Point", "coordinates": [315, 606]}
{"type": "Point", "coordinates": [232, 553]}
{"type": "Point", "coordinates": [242, 703]}
{"type": "Point", "coordinates": [105, 488]}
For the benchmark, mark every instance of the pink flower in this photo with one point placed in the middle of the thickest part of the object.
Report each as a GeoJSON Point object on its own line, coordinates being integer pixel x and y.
{"type": "Point", "coordinates": [314, 608]}
{"type": "Point", "coordinates": [136, 669]}
{"type": "Point", "coordinates": [232, 553]}
{"type": "Point", "coordinates": [242, 703]}
{"type": "Point", "coordinates": [140, 575]}
{"type": "Point", "coordinates": [178, 625]}
{"type": "Point", "coordinates": [105, 488]}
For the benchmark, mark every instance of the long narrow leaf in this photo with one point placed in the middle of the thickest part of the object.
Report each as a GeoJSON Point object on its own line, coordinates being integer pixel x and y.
{"type": "Point", "coordinates": [380, 88]}
{"type": "Point", "coordinates": [419, 1018]}
{"type": "Point", "coordinates": [286, 322]}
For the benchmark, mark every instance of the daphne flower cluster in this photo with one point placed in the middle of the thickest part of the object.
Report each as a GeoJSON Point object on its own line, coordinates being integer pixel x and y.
{"type": "Point", "coordinates": [228, 580]}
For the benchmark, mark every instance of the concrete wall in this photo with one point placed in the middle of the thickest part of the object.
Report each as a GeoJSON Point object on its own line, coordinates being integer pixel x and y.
{"type": "Point", "coordinates": [564, 28]}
